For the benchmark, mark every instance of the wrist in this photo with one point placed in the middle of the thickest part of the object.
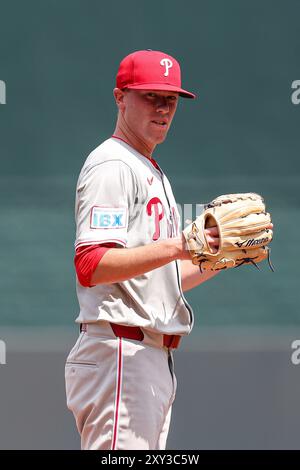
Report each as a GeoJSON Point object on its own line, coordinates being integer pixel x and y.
{"type": "Point", "coordinates": [178, 248]}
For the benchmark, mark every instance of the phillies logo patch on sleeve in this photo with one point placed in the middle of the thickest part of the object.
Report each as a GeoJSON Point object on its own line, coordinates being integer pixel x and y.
{"type": "Point", "coordinates": [108, 217]}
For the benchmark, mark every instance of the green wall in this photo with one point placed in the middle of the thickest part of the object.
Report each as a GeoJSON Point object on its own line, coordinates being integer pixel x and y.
{"type": "Point", "coordinates": [59, 59]}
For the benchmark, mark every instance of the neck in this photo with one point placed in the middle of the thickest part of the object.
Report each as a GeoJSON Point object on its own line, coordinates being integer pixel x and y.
{"type": "Point", "coordinates": [123, 131]}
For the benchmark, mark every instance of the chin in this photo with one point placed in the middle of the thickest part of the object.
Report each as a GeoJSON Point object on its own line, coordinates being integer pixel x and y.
{"type": "Point", "coordinates": [160, 139]}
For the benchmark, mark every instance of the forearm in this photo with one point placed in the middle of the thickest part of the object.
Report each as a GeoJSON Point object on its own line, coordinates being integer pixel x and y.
{"type": "Point", "coordinates": [191, 275]}
{"type": "Point", "coordinates": [120, 264]}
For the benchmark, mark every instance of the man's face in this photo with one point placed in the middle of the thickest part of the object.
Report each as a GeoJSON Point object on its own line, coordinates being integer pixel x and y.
{"type": "Point", "coordinates": [149, 113]}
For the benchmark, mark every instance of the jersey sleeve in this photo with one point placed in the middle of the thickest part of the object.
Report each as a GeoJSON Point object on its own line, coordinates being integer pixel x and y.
{"type": "Point", "coordinates": [86, 260]}
{"type": "Point", "coordinates": [105, 199]}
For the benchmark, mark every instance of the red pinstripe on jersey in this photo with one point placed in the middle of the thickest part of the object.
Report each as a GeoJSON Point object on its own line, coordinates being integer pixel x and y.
{"type": "Point", "coordinates": [118, 394]}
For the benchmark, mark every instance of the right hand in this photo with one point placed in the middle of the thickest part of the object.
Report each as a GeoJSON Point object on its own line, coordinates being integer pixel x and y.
{"type": "Point", "coordinates": [212, 235]}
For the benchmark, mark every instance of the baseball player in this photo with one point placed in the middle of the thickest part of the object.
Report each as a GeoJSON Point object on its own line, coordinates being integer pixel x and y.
{"type": "Point", "coordinates": [132, 267]}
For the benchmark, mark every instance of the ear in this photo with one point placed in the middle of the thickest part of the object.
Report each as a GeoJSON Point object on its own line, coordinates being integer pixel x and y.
{"type": "Point", "coordinates": [119, 98]}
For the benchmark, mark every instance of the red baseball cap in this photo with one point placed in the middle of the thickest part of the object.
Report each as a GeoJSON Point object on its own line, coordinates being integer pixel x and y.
{"type": "Point", "coordinates": [151, 70]}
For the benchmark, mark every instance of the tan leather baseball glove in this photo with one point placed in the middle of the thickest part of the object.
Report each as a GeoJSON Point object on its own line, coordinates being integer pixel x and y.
{"type": "Point", "coordinates": [243, 224]}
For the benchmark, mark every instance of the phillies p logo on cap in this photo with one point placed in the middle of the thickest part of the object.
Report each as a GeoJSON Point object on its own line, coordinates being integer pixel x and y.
{"type": "Point", "coordinates": [151, 70]}
{"type": "Point", "coordinates": [166, 63]}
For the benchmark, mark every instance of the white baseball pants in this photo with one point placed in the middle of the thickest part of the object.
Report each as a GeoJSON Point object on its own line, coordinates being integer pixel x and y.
{"type": "Point", "coordinates": [120, 391]}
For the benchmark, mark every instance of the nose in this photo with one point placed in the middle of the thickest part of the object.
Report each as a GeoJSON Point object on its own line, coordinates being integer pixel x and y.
{"type": "Point", "coordinates": [163, 105]}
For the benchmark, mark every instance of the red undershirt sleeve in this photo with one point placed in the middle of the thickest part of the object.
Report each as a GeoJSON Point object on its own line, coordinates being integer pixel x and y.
{"type": "Point", "coordinates": [87, 259]}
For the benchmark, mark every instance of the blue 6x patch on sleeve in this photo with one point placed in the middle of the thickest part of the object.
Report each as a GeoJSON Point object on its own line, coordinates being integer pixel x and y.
{"type": "Point", "coordinates": [108, 217]}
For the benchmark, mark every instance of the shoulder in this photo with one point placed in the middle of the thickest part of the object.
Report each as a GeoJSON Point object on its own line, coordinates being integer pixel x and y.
{"type": "Point", "coordinates": [107, 151]}
{"type": "Point", "coordinates": [109, 156]}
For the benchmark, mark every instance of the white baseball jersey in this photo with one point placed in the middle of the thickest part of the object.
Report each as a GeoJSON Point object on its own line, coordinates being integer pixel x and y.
{"type": "Point", "coordinates": [123, 198]}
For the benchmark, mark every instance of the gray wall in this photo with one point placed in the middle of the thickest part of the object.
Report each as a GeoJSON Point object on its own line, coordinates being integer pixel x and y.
{"type": "Point", "coordinates": [58, 60]}
{"type": "Point", "coordinates": [237, 389]}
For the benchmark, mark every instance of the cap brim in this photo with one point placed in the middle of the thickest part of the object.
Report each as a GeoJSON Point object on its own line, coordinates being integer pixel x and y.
{"type": "Point", "coordinates": [163, 87]}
